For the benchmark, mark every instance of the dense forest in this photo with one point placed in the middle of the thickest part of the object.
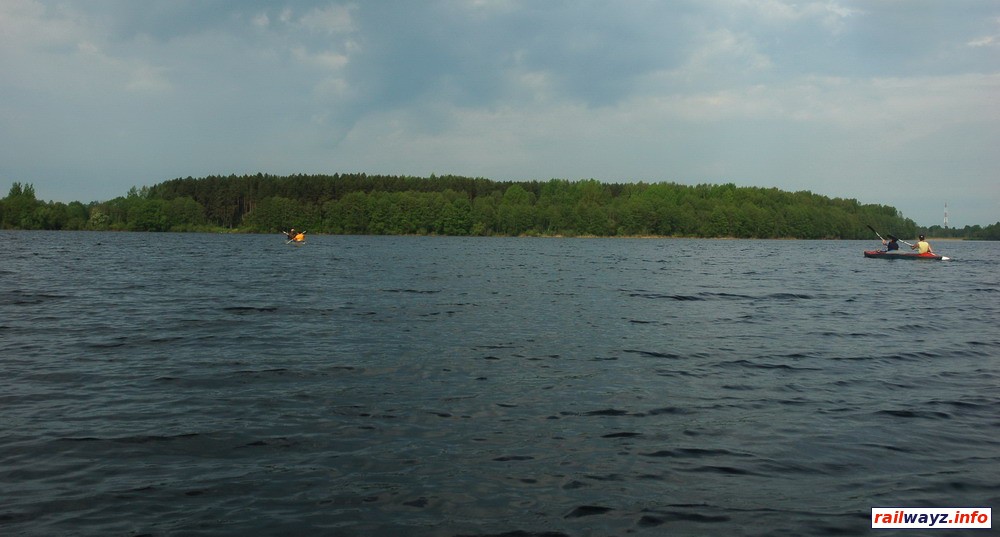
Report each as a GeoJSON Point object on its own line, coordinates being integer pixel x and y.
{"type": "Point", "coordinates": [451, 205]}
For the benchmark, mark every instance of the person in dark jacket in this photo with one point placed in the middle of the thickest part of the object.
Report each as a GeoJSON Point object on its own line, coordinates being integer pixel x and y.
{"type": "Point", "coordinates": [891, 244]}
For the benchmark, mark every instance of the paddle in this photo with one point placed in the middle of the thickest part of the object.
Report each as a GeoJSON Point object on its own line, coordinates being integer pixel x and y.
{"type": "Point", "coordinates": [875, 232]}
{"type": "Point", "coordinates": [893, 238]}
{"type": "Point", "coordinates": [880, 236]}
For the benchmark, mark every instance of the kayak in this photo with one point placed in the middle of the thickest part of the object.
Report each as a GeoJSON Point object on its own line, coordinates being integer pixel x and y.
{"type": "Point", "coordinates": [299, 238]}
{"type": "Point", "coordinates": [879, 254]}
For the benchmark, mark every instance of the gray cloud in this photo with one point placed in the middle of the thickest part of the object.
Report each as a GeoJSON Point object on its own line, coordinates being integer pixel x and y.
{"type": "Point", "coordinates": [886, 102]}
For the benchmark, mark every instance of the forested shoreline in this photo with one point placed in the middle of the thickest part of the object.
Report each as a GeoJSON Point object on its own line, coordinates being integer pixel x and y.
{"type": "Point", "coordinates": [463, 206]}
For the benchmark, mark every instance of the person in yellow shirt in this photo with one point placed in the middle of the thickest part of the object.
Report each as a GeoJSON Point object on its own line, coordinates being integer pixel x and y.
{"type": "Point", "coordinates": [922, 246]}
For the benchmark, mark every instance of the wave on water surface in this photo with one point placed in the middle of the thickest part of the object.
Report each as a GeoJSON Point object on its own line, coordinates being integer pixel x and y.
{"type": "Point", "coordinates": [489, 387]}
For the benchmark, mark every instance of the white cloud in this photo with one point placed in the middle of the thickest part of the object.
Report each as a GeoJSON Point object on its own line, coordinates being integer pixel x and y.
{"type": "Point", "coordinates": [328, 60]}
{"type": "Point", "coordinates": [333, 19]}
{"type": "Point", "coordinates": [99, 69]}
{"type": "Point", "coordinates": [491, 5]}
{"type": "Point", "coordinates": [832, 14]}
{"type": "Point", "coordinates": [723, 50]}
{"type": "Point", "coordinates": [145, 79]}
{"type": "Point", "coordinates": [26, 25]}
{"type": "Point", "coordinates": [988, 40]}
{"type": "Point", "coordinates": [261, 20]}
{"type": "Point", "coordinates": [826, 134]}
{"type": "Point", "coordinates": [66, 53]}
{"type": "Point", "coordinates": [333, 88]}
{"type": "Point", "coordinates": [533, 86]}
{"type": "Point", "coordinates": [984, 42]}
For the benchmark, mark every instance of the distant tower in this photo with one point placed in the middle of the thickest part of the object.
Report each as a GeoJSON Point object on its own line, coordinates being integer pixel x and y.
{"type": "Point", "coordinates": [946, 215]}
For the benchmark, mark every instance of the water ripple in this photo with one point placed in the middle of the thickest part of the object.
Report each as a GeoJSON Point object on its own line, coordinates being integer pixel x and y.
{"type": "Point", "coordinates": [432, 386]}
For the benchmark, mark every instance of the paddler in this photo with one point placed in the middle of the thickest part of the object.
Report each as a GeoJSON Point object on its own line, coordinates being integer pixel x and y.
{"type": "Point", "coordinates": [291, 234]}
{"type": "Point", "coordinates": [922, 246]}
{"type": "Point", "coordinates": [890, 243]}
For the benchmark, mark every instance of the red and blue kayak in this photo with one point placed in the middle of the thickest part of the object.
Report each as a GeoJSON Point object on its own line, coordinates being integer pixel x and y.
{"type": "Point", "coordinates": [881, 254]}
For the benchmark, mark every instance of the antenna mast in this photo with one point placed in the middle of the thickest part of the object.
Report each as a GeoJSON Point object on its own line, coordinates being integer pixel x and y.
{"type": "Point", "coordinates": [946, 215]}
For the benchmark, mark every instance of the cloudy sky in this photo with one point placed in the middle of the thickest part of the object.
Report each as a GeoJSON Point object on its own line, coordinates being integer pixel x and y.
{"type": "Point", "coordinates": [885, 101]}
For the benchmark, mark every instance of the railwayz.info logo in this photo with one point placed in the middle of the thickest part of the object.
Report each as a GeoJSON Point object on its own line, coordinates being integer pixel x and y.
{"type": "Point", "coordinates": [932, 517]}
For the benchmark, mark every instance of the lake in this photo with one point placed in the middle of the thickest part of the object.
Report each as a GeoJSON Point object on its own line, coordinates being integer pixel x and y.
{"type": "Point", "coordinates": [200, 384]}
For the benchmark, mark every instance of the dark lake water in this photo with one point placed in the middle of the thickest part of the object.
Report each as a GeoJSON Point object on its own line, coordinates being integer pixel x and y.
{"type": "Point", "coordinates": [194, 384]}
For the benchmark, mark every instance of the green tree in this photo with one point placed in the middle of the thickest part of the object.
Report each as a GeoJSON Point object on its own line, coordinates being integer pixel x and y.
{"type": "Point", "coordinates": [516, 213]}
{"type": "Point", "coordinates": [485, 215]}
{"type": "Point", "coordinates": [77, 216]}
{"type": "Point", "coordinates": [19, 208]}
{"type": "Point", "coordinates": [361, 203]}
{"type": "Point", "coordinates": [146, 215]}
{"type": "Point", "coordinates": [352, 213]}
{"type": "Point", "coordinates": [275, 214]}
{"type": "Point", "coordinates": [184, 214]}
{"type": "Point", "coordinates": [456, 217]}
{"type": "Point", "coordinates": [718, 223]}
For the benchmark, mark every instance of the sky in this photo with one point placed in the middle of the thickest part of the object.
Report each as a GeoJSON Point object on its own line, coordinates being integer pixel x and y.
{"type": "Point", "coordinates": [894, 102]}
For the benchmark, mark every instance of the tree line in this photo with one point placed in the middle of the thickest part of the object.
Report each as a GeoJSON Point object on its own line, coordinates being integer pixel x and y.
{"type": "Point", "coordinates": [454, 205]}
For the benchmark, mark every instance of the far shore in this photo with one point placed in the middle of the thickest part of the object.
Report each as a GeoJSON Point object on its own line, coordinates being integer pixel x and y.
{"type": "Point", "coordinates": [522, 236]}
